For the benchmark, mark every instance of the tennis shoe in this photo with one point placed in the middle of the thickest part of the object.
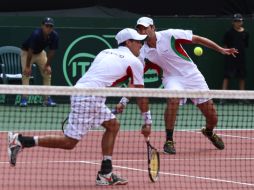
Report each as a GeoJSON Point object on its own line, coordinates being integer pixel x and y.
{"type": "Point", "coordinates": [169, 147]}
{"type": "Point", "coordinates": [110, 179]}
{"type": "Point", "coordinates": [23, 102]}
{"type": "Point", "coordinates": [49, 102]}
{"type": "Point", "coordinates": [215, 139]}
{"type": "Point", "coordinates": [14, 147]}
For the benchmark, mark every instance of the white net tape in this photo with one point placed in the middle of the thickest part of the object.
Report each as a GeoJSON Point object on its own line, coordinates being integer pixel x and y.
{"type": "Point", "coordinates": [128, 92]}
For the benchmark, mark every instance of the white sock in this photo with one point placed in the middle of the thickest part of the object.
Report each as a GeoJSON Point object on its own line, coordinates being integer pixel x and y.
{"type": "Point", "coordinates": [106, 157]}
{"type": "Point", "coordinates": [36, 140]}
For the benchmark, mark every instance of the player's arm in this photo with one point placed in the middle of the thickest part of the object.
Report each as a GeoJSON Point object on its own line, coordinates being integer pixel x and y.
{"type": "Point", "coordinates": [121, 105]}
{"type": "Point", "coordinates": [143, 104]}
{"type": "Point", "coordinates": [212, 45]}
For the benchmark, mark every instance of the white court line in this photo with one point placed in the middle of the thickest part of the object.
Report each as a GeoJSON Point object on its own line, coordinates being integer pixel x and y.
{"type": "Point", "coordinates": [224, 135]}
{"type": "Point", "coordinates": [142, 170]}
{"type": "Point", "coordinates": [140, 160]}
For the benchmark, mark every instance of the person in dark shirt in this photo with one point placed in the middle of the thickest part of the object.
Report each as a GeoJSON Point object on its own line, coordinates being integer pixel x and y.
{"type": "Point", "coordinates": [238, 38]}
{"type": "Point", "coordinates": [33, 51]}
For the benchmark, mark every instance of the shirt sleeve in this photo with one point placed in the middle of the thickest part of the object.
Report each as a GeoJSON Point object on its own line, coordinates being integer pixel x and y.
{"type": "Point", "coordinates": [181, 34]}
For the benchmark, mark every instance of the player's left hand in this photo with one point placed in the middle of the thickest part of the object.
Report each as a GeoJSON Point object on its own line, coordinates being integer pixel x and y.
{"type": "Point", "coordinates": [146, 130]}
{"type": "Point", "coordinates": [119, 108]}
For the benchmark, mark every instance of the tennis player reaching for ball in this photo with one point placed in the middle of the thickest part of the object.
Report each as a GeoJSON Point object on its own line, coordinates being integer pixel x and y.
{"type": "Point", "coordinates": [109, 66]}
{"type": "Point", "coordinates": [164, 49]}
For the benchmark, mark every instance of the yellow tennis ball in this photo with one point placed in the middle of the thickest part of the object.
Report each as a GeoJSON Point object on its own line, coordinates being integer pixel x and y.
{"type": "Point", "coordinates": [198, 51]}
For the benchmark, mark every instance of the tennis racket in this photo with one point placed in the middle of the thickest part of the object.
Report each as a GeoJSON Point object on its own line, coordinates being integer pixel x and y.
{"type": "Point", "coordinates": [64, 123]}
{"type": "Point", "coordinates": [153, 158]}
{"type": "Point", "coordinates": [153, 161]}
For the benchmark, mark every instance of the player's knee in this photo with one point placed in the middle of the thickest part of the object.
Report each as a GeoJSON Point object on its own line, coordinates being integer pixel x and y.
{"type": "Point", "coordinates": [70, 144]}
{"type": "Point", "coordinates": [114, 128]}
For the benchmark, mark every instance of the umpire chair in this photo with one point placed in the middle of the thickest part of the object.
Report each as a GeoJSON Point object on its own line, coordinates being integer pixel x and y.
{"type": "Point", "coordinates": [11, 69]}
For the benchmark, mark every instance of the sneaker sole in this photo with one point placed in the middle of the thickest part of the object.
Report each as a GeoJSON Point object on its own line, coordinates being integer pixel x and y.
{"type": "Point", "coordinates": [12, 160]}
{"type": "Point", "coordinates": [108, 184]}
{"type": "Point", "coordinates": [169, 152]}
{"type": "Point", "coordinates": [220, 147]}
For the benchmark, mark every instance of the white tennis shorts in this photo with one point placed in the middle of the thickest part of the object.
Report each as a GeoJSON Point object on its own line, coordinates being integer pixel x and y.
{"type": "Point", "coordinates": [86, 113]}
{"type": "Point", "coordinates": [194, 82]}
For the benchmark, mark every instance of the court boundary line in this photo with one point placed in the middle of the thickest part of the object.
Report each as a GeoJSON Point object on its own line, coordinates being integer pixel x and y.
{"type": "Point", "coordinates": [191, 131]}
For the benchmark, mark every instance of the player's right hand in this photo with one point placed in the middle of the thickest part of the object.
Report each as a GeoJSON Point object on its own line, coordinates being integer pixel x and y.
{"type": "Point", "coordinates": [146, 130]}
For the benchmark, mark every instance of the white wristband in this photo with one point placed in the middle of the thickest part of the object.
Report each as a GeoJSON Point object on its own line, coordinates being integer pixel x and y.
{"type": "Point", "coordinates": [124, 101]}
{"type": "Point", "coordinates": [147, 117]}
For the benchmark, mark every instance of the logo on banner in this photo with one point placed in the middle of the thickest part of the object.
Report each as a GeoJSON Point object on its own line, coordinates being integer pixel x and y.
{"type": "Point", "coordinates": [80, 54]}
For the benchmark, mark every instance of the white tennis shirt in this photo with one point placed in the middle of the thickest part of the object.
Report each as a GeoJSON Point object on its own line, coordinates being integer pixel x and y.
{"type": "Point", "coordinates": [112, 66]}
{"type": "Point", "coordinates": [169, 53]}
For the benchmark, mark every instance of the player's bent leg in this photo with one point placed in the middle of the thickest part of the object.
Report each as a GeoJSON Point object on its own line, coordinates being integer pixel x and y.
{"type": "Point", "coordinates": [209, 111]}
{"type": "Point", "coordinates": [57, 141]}
{"type": "Point", "coordinates": [170, 119]}
{"type": "Point", "coordinates": [105, 176]}
{"type": "Point", "coordinates": [16, 142]}
{"type": "Point", "coordinates": [108, 140]}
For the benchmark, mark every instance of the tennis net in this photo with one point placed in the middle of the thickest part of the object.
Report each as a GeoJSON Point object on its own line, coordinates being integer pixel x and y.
{"type": "Point", "coordinates": [197, 164]}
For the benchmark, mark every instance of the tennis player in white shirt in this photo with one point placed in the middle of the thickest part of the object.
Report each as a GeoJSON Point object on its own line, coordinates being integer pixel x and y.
{"type": "Point", "coordinates": [108, 68]}
{"type": "Point", "coordinates": [164, 48]}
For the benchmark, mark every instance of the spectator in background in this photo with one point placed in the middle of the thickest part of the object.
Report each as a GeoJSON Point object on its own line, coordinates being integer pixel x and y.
{"type": "Point", "coordinates": [235, 67]}
{"type": "Point", "coordinates": [33, 51]}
